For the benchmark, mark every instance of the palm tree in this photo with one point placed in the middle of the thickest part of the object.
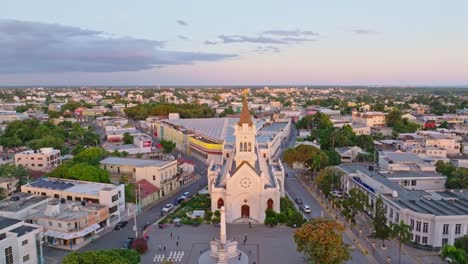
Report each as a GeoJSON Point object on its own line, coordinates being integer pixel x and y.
{"type": "Point", "coordinates": [457, 255]}
{"type": "Point", "coordinates": [402, 232]}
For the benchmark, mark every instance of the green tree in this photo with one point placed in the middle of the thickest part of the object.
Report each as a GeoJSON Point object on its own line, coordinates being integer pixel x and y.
{"type": "Point", "coordinates": [321, 241]}
{"type": "Point", "coordinates": [380, 222]}
{"type": "Point", "coordinates": [114, 256]}
{"type": "Point", "coordinates": [127, 138]}
{"type": "Point", "coordinates": [87, 172]}
{"type": "Point", "coordinates": [456, 255]}
{"type": "Point", "coordinates": [167, 145]}
{"type": "Point", "coordinates": [53, 114]}
{"type": "Point", "coordinates": [328, 179]}
{"type": "Point", "coordinates": [462, 242]}
{"type": "Point", "coordinates": [355, 203]}
{"type": "Point", "coordinates": [3, 193]}
{"type": "Point", "coordinates": [90, 155]}
{"type": "Point", "coordinates": [402, 232]}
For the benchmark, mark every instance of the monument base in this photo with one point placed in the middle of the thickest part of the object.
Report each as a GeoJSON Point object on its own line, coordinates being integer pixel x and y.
{"type": "Point", "coordinates": [206, 258]}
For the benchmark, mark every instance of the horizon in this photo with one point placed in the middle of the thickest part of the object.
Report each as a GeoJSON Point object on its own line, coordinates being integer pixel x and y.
{"type": "Point", "coordinates": [265, 43]}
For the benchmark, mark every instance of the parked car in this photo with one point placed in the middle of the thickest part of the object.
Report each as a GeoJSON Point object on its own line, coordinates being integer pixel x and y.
{"type": "Point", "coordinates": [298, 201]}
{"type": "Point", "coordinates": [167, 208]}
{"type": "Point", "coordinates": [306, 209]}
{"type": "Point", "coordinates": [120, 225]}
{"type": "Point", "coordinates": [185, 195]}
{"type": "Point", "coordinates": [128, 243]}
{"type": "Point", "coordinates": [178, 200]}
{"type": "Point", "coordinates": [337, 193]}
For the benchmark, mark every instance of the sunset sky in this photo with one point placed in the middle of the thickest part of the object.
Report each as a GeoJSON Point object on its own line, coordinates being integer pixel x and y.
{"type": "Point", "coordinates": [156, 42]}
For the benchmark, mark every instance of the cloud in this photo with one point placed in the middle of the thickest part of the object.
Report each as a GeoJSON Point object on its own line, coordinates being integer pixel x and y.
{"type": "Point", "coordinates": [267, 49]}
{"type": "Point", "coordinates": [295, 32]}
{"type": "Point", "coordinates": [31, 47]}
{"type": "Point", "coordinates": [363, 32]}
{"type": "Point", "coordinates": [182, 23]}
{"type": "Point", "coordinates": [182, 37]}
{"type": "Point", "coordinates": [268, 37]}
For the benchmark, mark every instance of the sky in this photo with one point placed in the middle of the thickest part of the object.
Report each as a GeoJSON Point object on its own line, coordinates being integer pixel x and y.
{"type": "Point", "coordinates": [212, 42]}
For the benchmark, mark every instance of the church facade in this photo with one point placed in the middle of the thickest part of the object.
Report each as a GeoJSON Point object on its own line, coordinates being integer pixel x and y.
{"type": "Point", "coordinates": [248, 180]}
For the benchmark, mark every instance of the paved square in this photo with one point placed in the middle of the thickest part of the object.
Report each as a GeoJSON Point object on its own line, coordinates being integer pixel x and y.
{"type": "Point", "coordinates": [264, 245]}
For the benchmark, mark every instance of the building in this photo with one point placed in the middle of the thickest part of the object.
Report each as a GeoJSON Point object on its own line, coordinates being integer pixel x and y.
{"type": "Point", "coordinates": [8, 116]}
{"type": "Point", "coordinates": [44, 159]}
{"type": "Point", "coordinates": [436, 218]}
{"type": "Point", "coordinates": [248, 180]}
{"type": "Point", "coordinates": [9, 184]}
{"type": "Point", "coordinates": [410, 171]}
{"type": "Point", "coordinates": [142, 144]}
{"type": "Point", "coordinates": [110, 195]}
{"type": "Point", "coordinates": [204, 138]}
{"type": "Point", "coordinates": [349, 154]}
{"type": "Point", "coordinates": [370, 119]}
{"type": "Point", "coordinates": [70, 224]}
{"type": "Point", "coordinates": [382, 131]}
{"type": "Point", "coordinates": [163, 174]}
{"type": "Point", "coordinates": [359, 129]}
{"type": "Point", "coordinates": [19, 242]}
{"type": "Point", "coordinates": [147, 193]}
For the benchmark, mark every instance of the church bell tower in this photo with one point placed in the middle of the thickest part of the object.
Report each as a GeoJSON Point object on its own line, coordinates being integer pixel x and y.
{"type": "Point", "coordinates": [245, 136]}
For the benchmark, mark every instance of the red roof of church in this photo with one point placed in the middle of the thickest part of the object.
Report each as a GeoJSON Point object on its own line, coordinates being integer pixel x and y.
{"type": "Point", "coordinates": [146, 188]}
{"type": "Point", "coordinates": [245, 115]}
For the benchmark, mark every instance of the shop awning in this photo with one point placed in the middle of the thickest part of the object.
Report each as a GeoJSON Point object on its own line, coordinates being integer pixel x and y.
{"type": "Point", "coordinates": [71, 235]}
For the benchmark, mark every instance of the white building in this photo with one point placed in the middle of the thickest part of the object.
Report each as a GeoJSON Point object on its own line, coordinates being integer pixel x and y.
{"type": "Point", "coordinates": [19, 242]}
{"type": "Point", "coordinates": [436, 218]}
{"type": "Point", "coordinates": [248, 180]}
{"type": "Point", "coordinates": [110, 195]}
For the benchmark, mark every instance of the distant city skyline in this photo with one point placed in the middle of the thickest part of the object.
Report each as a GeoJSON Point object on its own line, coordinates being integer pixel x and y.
{"type": "Point", "coordinates": [361, 42]}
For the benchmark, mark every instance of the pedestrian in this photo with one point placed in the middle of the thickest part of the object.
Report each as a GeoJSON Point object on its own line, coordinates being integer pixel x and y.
{"type": "Point", "coordinates": [164, 248]}
{"type": "Point", "coordinates": [159, 248]}
{"type": "Point", "coordinates": [250, 225]}
{"type": "Point", "coordinates": [240, 255]}
{"type": "Point", "coordinates": [171, 235]}
{"type": "Point", "coordinates": [177, 243]}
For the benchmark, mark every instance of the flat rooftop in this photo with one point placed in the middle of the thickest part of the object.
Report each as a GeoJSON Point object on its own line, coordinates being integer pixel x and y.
{"type": "Point", "coordinates": [135, 162]}
{"type": "Point", "coordinates": [6, 222]}
{"type": "Point", "coordinates": [83, 187]}
{"type": "Point", "coordinates": [440, 203]}
{"type": "Point", "coordinates": [70, 210]}
{"type": "Point", "coordinates": [25, 200]}
{"type": "Point", "coordinates": [24, 229]}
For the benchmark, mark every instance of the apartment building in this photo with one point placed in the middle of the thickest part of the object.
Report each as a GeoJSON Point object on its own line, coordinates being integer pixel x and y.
{"type": "Point", "coordinates": [369, 119]}
{"type": "Point", "coordinates": [44, 159]}
{"type": "Point", "coordinates": [410, 171]}
{"type": "Point", "coordinates": [163, 174]}
{"type": "Point", "coordinates": [436, 218]}
{"type": "Point", "coordinates": [19, 242]}
{"type": "Point", "coordinates": [110, 195]}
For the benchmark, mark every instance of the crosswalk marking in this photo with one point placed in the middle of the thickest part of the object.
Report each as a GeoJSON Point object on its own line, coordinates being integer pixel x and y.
{"type": "Point", "coordinates": [175, 256]}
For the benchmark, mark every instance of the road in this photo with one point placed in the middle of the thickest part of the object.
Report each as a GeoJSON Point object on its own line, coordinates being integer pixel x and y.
{"type": "Point", "coordinates": [296, 190]}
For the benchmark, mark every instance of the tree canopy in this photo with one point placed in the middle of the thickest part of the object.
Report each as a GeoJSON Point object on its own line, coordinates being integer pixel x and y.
{"type": "Point", "coordinates": [356, 202]}
{"type": "Point", "coordinates": [168, 146]}
{"type": "Point", "coordinates": [401, 125]}
{"type": "Point", "coordinates": [328, 179]}
{"type": "Point", "coordinates": [382, 231]}
{"type": "Point", "coordinates": [142, 111]}
{"type": "Point", "coordinates": [321, 241]}
{"type": "Point", "coordinates": [114, 256]}
{"type": "Point", "coordinates": [457, 178]}
{"type": "Point", "coordinates": [312, 157]}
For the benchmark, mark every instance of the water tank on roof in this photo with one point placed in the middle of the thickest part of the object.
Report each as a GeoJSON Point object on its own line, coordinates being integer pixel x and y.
{"type": "Point", "coordinates": [395, 194]}
{"type": "Point", "coordinates": [62, 200]}
{"type": "Point", "coordinates": [83, 203]}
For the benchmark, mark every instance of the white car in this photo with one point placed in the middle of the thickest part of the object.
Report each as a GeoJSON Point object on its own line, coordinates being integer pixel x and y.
{"type": "Point", "coordinates": [337, 194]}
{"type": "Point", "coordinates": [306, 209]}
{"type": "Point", "coordinates": [167, 208]}
{"type": "Point", "coordinates": [185, 195]}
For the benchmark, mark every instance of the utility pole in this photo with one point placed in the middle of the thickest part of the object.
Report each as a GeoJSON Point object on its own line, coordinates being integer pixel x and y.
{"type": "Point", "coordinates": [135, 227]}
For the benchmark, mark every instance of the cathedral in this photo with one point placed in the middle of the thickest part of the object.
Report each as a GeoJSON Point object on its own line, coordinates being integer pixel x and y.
{"type": "Point", "coordinates": [248, 180]}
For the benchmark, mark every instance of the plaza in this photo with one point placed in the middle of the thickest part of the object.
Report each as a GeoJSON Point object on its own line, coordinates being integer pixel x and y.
{"type": "Point", "coordinates": [264, 244]}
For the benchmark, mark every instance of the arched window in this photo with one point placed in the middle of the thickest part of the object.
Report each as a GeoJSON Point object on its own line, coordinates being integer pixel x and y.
{"type": "Point", "coordinates": [220, 203]}
{"type": "Point", "coordinates": [270, 204]}
{"type": "Point", "coordinates": [240, 147]}
{"type": "Point", "coordinates": [245, 146]}
{"type": "Point", "coordinates": [250, 146]}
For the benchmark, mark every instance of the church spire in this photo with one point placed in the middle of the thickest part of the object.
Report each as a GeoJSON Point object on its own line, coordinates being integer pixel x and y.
{"type": "Point", "coordinates": [245, 115]}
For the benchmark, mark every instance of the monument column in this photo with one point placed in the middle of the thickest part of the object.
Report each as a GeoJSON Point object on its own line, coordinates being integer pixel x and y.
{"type": "Point", "coordinates": [222, 236]}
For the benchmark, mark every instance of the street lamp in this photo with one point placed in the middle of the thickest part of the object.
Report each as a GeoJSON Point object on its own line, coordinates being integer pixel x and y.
{"type": "Point", "coordinates": [389, 260]}
{"type": "Point", "coordinates": [360, 233]}
{"type": "Point", "coordinates": [373, 248]}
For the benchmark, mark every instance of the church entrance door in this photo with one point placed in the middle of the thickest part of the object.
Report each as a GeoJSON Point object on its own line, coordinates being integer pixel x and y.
{"type": "Point", "coordinates": [245, 211]}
